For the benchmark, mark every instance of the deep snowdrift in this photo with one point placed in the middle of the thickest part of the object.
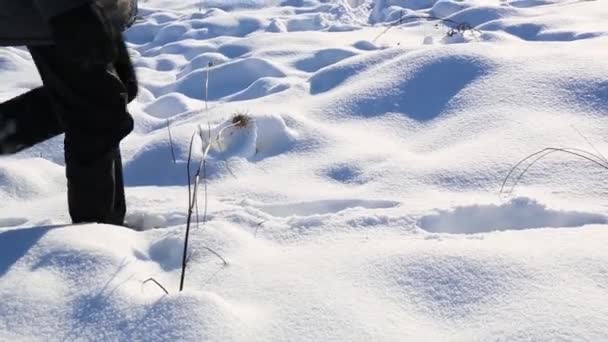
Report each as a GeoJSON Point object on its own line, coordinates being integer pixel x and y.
{"type": "Point", "coordinates": [362, 200]}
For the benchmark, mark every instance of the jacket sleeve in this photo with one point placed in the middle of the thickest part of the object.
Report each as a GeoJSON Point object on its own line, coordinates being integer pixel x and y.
{"type": "Point", "coordinates": [51, 8]}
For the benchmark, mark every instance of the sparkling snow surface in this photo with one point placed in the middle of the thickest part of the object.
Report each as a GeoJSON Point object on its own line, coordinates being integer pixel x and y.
{"type": "Point", "coordinates": [360, 203]}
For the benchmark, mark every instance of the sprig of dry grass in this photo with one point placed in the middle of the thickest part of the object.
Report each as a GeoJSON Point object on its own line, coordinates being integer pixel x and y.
{"type": "Point", "coordinates": [454, 27]}
{"type": "Point", "coordinates": [526, 163]}
{"type": "Point", "coordinates": [207, 139]}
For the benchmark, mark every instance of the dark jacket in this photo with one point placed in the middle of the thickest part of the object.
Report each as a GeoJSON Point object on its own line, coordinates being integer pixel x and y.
{"type": "Point", "coordinates": [24, 22]}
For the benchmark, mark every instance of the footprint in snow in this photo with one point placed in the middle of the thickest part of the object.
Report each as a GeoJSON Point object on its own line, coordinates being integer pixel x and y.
{"type": "Point", "coordinates": [517, 214]}
{"type": "Point", "coordinates": [322, 207]}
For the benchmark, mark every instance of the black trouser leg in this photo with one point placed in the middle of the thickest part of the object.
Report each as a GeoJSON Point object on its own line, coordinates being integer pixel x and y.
{"type": "Point", "coordinates": [30, 118]}
{"type": "Point", "coordinates": [27, 120]}
{"type": "Point", "coordinates": [120, 206]}
{"type": "Point", "coordinates": [91, 105]}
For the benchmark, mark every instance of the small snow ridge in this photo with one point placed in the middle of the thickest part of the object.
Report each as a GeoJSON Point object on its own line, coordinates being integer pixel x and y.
{"type": "Point", "coordinates": [590, 92]}
{"type": "Point", "coordinates": [445, 8]}
{"type": "Point", "coordinates": [167, 253]}
{"type": "Point", "coordinates": [547, 30]}
{"type": "Point", "coordinates": [517, 214]}
{"type": "Point", "coordinates": [323, 58]}
{"type": "Point", "coordinates": [234, 50]}
{"type": "Point", "coordinates": [8, 222]}
{"type": "Point", "coordinates": [237, 4]}
{"type": "Point", "coordinates": [451, 286]}
{"type": "Point", "coordinates": [29, 178]}
{"type": "Point", "coordinates": [152, 165]}
{"type": "Point", "coordinates": [169, 105]}
{"type": "Point", "coordinates": [323, 207]}
{"type": "Point", "coordinates": [308, 22]}
{"type": "Point", "coordinates": [236, 26]}
{"type": "Point", "coordinates": [187, 48]}
{"type": "Point", "coordinates": [532, 3]}
{"type": "Point", "coordinates": [390, 10]}
{"type": "Point", "coordinates": [339, 73]}
{"type": "Point", "coordinates": [274, 136]}
{"type": "Point", "coordinates": [190, 317]}
{"type": "Point", "coordinates": [365, 45]}
{"type": "Point", "coordinates": [398, 85]}
{"type": "Point", "coordinates": [202, 61]}
{"type": "Point", "coordinates": [170, 33]}
{"type": "Point", "coordinates": [263, 87]}
{"type": "Point", "coordinates": [226, 79]}
{"type": "Point", "coordinates": [479, 15]}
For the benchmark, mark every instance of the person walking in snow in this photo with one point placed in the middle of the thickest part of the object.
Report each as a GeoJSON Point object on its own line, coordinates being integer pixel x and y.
{"type": "Point", "coordinates": [88, 80]}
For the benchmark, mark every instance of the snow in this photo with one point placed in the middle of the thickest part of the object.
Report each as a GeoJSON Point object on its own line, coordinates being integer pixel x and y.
{"type": "Point", "coordinates": [359, 202]}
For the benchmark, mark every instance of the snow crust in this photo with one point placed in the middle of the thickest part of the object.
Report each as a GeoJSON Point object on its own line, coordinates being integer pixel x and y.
{"type": "Point", "coordinates": [359, 202]}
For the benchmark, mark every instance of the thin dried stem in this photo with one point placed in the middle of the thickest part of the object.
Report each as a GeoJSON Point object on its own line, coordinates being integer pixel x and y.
{"type": "Point", "coordinates": [188, 170]}
{"type": "Point", "coordinates": [590, 144]}
{"type": "Point", "coordinates": [456, 27]}
{"type": "Point", "coordinates": [200, 175]}
{"type": "Point", "coordinates": [537, 156]}
{"type": "Point", "coordinates": [157, 283]}
{"type": "Point", "coordinates": [171, 141]}
{"type": "Point", "coordinates": [191, 202]}
{"type": "Point", "coordinates": [257, 227]}
{"type": "Point", "coordinates": [217, 255]}
{"type": "Point", "coordinates": [208, 72]}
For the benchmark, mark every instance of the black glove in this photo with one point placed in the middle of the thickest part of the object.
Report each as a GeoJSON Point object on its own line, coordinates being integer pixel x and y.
{"type": "Point", "coordinates": [85, 35]}
{"type": "Point", "coordinates": [125, 70]}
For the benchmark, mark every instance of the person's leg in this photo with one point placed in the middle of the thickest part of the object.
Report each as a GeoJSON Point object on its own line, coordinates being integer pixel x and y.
{"type": "Point", "coordinates": [120, 206]}
{"type": "Point", "coordinates": [26, 120]}
{"type": "Point", "coordinates": [29, 118]}
{"type": "Point", "coordinates": [91, 103]}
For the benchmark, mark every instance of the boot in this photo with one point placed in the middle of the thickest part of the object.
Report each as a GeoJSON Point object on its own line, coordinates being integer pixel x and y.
{"type": "Point", "coordinates": [95, 189]}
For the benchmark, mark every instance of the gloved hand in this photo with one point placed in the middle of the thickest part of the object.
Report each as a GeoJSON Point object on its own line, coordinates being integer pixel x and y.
{"type": "Point", "coordinates": [126, 71]}
{"type": "Point", "coordinates": [85, 35]}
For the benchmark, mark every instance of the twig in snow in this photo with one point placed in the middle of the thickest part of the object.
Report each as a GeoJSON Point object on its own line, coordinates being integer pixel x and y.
{"type": "Point", "coordinates": [212, 252]}
{"type": "Point", "coordinates": [157, 283]}
{"type": "Point", "coordinates": [209, 65]}
{"type": "Point", "coordinates": [590, 144]}
{"type": "Point", "coordinates": [255, 233]}
{"type": "Point", "coordinates": [189, 217]}
{"type": "Point", "coordinates": [217, 255]}
{"type": "Point", "coordinates": [193, 191]}
{"type": "Point", "coordinates": [537, 156]}
{"type": "Point", "coordinates": [171, 141]}
{"type": "Point", "coordinates": [454, 27]}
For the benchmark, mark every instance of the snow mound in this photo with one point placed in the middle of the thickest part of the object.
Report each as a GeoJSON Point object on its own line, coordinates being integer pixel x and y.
{"type": "Point", "coordinates": [226, 79]}
{"type": "Point", "coordinates": [408, 78]}
{"type": "Point", "coordinates": [169, 105]}
{"type": "Point", "coordinates": [261, 87]}
{"type": "Point", "coordinates": [30, 178]}
{"type": "Point", "coordinates": [322, 59]}
{"type": "Point", "coordinates": [318, 214]}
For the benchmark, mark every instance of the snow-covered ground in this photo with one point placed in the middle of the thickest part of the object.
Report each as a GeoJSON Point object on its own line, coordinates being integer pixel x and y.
{"type": "Point", "coordinates": [360, 203]}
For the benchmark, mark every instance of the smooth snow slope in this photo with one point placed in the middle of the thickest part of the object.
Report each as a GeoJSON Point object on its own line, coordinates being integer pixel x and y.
{"type": "Point", "coordinates": [361, 203]}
